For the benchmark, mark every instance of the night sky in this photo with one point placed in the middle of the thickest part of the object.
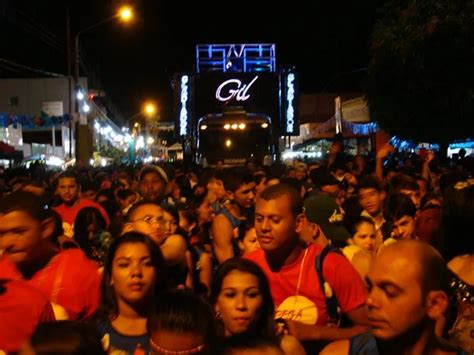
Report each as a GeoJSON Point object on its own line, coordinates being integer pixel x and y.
{"type": "Point", "coordinates": [325, 41]}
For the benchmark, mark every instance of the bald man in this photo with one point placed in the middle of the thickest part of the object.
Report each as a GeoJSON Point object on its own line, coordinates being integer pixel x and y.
{"type": "Point", "coordinates": [408, 285]}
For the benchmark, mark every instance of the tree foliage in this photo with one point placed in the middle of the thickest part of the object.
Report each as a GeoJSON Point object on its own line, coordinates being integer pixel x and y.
{"type": "Point", "coordinates": [420, 82]}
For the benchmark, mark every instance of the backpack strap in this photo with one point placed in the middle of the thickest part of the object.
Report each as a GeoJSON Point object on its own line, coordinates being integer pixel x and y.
{"type": "Point", "coordinates": [332, 304]}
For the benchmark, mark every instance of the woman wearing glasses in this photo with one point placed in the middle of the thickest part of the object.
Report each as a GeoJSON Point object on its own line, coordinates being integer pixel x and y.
{"type": "Point", "coordinates": [134, 274]}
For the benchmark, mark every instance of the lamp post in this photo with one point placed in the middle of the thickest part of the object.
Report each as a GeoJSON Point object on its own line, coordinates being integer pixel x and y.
{"type": "Point", "coordinates": [125, 13]}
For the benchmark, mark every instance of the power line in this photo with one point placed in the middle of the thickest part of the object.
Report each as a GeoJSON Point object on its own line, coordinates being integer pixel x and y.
{"type": "Point", "coordinates": [8, 64]}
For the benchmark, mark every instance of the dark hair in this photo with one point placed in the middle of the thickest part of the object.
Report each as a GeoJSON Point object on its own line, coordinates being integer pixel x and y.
{"type": "Point", "coordinates": [108, 306]}
{"type": "Point", "coordinates": [244, 227]}
{"type": "Point", "coordinates": [235, 178]}
{"type": "Point", "coordinates": [66, 337]}
{"type": "Point", "coordinates": [69, 174]}
{"type": "Point", "coordinates": [369, 182]}
{"type": "Point", "coordinates": [35, 206]}
{"type": "Point", "coordinates": [397, 206]}
{"type": "Point", "coordinates": [183, 311]}
{"type": "Point", "coordinates": [237, 343]}
{"type": "Point", "coordinates": [293, 182]}
{"type": "Point", "coordinates": [265, 324]}
{"type": "Point", "coordinates": [403, 182]}
{"type": "Point", "coordinates": [122, 194]}
{"type": "Point", "coordinates": [275, 191]}
{"type": "Point", "coordinates": [357, 222]}
{"type": "Point", "coordinates": [172, 210]}
{"type": "Point", "coordinates": [85, 217]}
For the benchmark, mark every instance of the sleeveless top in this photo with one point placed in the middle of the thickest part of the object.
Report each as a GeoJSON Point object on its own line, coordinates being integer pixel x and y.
{"type": "Point", "coordinates": [116, 343]}
{"type": "Point", "coordinates": [235, 222]}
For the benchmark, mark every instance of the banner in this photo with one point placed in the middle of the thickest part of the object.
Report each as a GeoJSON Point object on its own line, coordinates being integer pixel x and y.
{"type": "Point", "coordinates": [26, 121]}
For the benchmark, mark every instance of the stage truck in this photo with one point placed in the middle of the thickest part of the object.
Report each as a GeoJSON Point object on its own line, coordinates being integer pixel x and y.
{"type": "Point", "coordinates": [236, 105]}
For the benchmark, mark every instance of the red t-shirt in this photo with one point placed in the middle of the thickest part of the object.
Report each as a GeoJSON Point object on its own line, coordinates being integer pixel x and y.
{"type": "Point", "coordinates": [296, 291]}
{"type": "Point", "coordinates": [70, 281]}
{"type": "Point", "coordinates": [68, 214]}
{"type": "Point", "coordinates": [22, 308]}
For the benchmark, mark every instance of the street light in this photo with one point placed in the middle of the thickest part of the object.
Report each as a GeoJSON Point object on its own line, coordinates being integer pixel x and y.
{"type": "Point", "coordinates": [125, 13]}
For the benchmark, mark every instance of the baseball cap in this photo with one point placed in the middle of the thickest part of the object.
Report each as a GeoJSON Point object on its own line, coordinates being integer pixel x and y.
{"type": "Point", "coordinates": [153, 168]}
{"type": "Point", "coordinates": [325, 212]}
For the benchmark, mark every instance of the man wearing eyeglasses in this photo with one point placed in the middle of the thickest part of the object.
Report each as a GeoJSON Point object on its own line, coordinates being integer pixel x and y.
{"type": "Point", "coordinates": [148, 218]}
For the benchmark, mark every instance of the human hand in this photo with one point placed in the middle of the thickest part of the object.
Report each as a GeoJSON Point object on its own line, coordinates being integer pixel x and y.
{"type": "Point", "coordinates": [302, 331]}
{"type": "Point", "coordinates": [385, 151]}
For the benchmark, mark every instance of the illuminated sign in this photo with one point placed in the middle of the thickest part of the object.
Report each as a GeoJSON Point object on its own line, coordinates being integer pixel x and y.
{"type": "Point", "coordinates": [183, 114]}
{"type": "Point", "coordinates": [290, 96]}
{"type": "Point", "coordinates": [233, 88]}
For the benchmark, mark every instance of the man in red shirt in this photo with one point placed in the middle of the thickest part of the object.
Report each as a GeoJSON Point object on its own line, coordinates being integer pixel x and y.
{"type": "Point", "coordinates": [67, 278]}
{"type": "Point", "coordinates": [22, 308]}
{"type": "Point", "coordinates": [291, 272]}
{"type": "Point", "coordinates": [69, 190]}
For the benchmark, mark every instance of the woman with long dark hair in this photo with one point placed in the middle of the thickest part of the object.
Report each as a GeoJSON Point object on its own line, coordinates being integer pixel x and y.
{"type": "Point", "coordinates": [134, 274]}
{"type": "Point", "coordinates": [243, 303]}
{"type": "Point", "coordinates": [90, 233]}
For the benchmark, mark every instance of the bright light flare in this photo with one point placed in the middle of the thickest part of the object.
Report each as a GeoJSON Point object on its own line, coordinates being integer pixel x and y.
{"type": "Point", "coordinates": [228, 143]}
{"type": "Point", "coordinates": [125, 13]}
{"type": "Point", "coordinates": [149, 109]}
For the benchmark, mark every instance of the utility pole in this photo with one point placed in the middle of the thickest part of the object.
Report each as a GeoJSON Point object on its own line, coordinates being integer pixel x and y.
{"type": "Point", "coordinates": [68, 58]}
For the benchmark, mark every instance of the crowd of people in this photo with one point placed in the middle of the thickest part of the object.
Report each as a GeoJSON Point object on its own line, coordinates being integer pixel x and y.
{"type": "Point", "coordinates": [343, 256]}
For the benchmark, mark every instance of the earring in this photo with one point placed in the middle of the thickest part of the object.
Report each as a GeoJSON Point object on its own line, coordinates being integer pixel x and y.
{"type": "Point", "coordinates": [218, 315]}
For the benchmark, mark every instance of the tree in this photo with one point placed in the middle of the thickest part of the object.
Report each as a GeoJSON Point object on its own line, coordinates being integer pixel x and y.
{"type": "Point", "coordinates": [420, 82]}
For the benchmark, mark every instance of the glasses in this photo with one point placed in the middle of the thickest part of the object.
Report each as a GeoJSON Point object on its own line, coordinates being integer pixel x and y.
{"type": "Point", "coordinates": [152, 220]}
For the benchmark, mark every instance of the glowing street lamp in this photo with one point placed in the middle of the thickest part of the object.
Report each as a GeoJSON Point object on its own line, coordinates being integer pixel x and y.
{"type": "Point", "coordinates": [149, 109]}
{"type": "Point", "coordinates": [125, 14]}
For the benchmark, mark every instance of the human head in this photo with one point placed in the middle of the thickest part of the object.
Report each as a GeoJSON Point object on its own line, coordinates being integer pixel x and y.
{"type": "Point", "coordinates": [401, 212]}
{"type": "Point", "coordinates": [240, 186]}
{"type": "Point", "coordinates": [363, 234]}
{"type": "Point", "coordinates": [171, 218]}
{"type": "Point", "coordinates": [405, 184]}
{"type": "Point", "coordinates": [64, 337]}
{"type": "Point", "coordinates": [68, 187]}
{"type": "Point", "coordinates": [371, 195]}
{"type": "Point", "coordinates": [153, 182]}
{"type": "Point", "coordinates": [408, 285]}
{"type": "Point", "coordinates": [326, 213]}
{"type": "Point", "coordinates": [250, 344]}
{"type": "Point", "coordinates": [323, 180]}
{"type": "Point", "coordinates": [277, 213]}
{"type": "Point", "coordinates": [147, 218]}
{"type": "Point", "coordinates": [213, 180]}
{"type": "Point", "coordinates": [181, 321]}
{"type": "Point", "coordinates": [247, 238]}
{"type": "Point", "coordinates": [241, 290]}
{"type": "Point", "coordinates": [26, 226]}
{"type": "Point", "coordinates": [87, 225]}
{"type": "Point", "coordinates": [109, 302]}
{"type": "Point", "coordinates": [89, 190]}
